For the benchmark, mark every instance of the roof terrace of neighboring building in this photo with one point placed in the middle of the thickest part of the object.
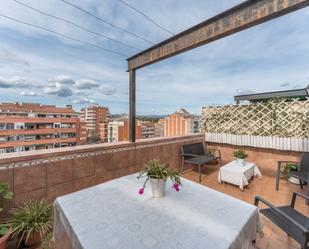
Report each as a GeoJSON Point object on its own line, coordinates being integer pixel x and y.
{"type": "Point", "coordinates": [293, 93]}
{"type": "Point", "coordinates": [36, 108]}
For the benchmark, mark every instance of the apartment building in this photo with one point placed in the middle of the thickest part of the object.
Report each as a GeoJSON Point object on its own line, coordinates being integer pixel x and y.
{"type": "Point", "coordinates": [118, 130]}
{"type": "Point", "coordinates": [159, 128]}
{"type": "Point", "coordinates": [180, 123]}
{"type": "Point", "coordinates": [32, 126]}
{"type": "Point", "coordinates": [96, 118]}
{"type": "Point", "coordinates": [147, 129]}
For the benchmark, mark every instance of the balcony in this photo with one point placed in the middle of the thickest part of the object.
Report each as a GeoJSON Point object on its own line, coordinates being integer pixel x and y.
{"type": "Point", "coordinates": [37, 141]}
{"type": "Point", "coordinates": [52, 173]}
{"type": "Point", "coordinates": [37, 131]}
{"type": "Point", "coordinates": [37, 120]}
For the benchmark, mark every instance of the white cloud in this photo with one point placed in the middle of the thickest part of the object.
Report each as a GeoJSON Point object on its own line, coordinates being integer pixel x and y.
{"type": "Point", "coordinates": [63, 79]}
{"type": "Point", "coordinates": [58, 90]}
{"type": "Point", "coordinates": [83, 101]}
{"type": "Point", "coordinates": [13, 82]}
{"type": "Point", "coordinates": [107, 90]}
{"type": "Point", "coordinates": [8, 57]}
{"type": "Point", "coordinates": [66, 86]}
{"type": "Point", "coordinates": [86, 84]}
{"type": "Point", "coordinates": [30, 94]}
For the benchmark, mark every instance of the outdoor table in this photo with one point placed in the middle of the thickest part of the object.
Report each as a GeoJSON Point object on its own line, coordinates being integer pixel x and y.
{"type": "Point", "coordinates": [200, 160]}
{"type": "Point", "coordinates": [238, 175]}
{"type": "Point", "coordinates": [113, 216]}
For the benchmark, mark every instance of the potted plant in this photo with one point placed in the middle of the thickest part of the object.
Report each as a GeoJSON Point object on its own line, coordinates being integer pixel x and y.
{"type": "Point", "coordinates": [5, 194]}
{"type": "Point", "coordinates": [240, 156]}
{"type": "Point", "coordinates": [31, 222]}
{"type": "Point", "coordinates": [287, 168]}
{"type": "Point", "coordinates": [157, 174]}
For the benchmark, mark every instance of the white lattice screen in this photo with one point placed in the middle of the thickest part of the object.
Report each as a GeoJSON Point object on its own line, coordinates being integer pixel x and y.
{"type": "Point", "coordinates": [278, 118]}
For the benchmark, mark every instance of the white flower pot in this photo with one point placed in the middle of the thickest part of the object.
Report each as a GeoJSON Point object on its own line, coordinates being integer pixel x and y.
{"type": "Point", "coordinates": [294, 180]}
{"type": "Point", "coordinates": [240, 162]}
{"type": "Point", "coordinates": [158, 187]}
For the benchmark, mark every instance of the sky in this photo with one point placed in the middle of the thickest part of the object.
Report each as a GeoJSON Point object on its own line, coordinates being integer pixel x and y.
{"type": "Point", "coordinates": [39, 66]}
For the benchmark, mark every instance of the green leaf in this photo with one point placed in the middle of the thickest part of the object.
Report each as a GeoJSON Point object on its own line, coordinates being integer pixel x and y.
{"type": "Point", "coordinates": [4, 229]}
{"type": "Point", "coordinates": [32, 217]}
{"type": "Point", "coordinates": [154, 169]}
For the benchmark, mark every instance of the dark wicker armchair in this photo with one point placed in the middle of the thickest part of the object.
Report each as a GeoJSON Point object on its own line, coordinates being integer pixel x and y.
{"type": "Point", "coordinates": [196, 154]}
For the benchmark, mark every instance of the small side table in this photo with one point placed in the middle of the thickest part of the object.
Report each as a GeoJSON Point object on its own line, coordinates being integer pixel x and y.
{"type": "Point", "coordinates": [238, 175]}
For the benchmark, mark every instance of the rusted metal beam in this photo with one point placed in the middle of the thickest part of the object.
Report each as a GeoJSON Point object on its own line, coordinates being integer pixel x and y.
{"type": "Point", "coordinates": [238, 18]}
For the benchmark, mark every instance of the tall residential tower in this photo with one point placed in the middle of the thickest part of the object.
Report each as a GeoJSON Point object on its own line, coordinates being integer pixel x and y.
{"type": "Point", "coordinates": [96, 118]}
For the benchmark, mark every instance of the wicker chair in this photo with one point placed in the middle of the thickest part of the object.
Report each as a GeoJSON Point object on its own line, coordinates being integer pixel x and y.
{"type": "Point", "coordinates": [196, 154]}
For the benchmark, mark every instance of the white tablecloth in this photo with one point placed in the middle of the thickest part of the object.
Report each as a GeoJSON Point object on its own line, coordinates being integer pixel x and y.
{"type": "Point", "coordinates": [238, 175]}
{"type": "Point", "coordinates": [113, 216]}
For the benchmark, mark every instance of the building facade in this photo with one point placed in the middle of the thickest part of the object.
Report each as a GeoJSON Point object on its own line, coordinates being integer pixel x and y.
{"type": "Point", "coordinates": [118, 130]}
{"type": "Point", "coordinates": [180, 123]}
{"type": "Point", "coordinates": [159, 128]}
{"type": "Point", "coordinates": [96, 118]}
{"type": "Point", "coordinates": [147, 129]}
{"type": "Point", "coordinates": [31, 126]}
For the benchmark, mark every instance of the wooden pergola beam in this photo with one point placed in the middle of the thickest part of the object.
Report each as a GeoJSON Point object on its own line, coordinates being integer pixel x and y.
{"type": "Point", "coordinates": [238, 18]}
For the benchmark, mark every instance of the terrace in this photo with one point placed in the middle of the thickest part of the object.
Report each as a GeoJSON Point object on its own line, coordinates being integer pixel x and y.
{"type": "Point", "coordinates": [57, 172]}
{"type": "Point", "coordinates": [269, 132]}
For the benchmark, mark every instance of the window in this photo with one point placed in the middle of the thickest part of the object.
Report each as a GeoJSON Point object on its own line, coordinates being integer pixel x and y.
{"type": "Point", "coordinates": [19, 126]}
{"type": "Point", "coordinates": [9, 150]}
{"type": "Point", "coordinates": [19, 137]}
{"type": "Point", "coordinates": [10, 126]}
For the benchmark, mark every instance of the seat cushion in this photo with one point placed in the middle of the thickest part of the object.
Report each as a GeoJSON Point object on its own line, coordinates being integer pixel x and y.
{"type": "Point", "coordinates": [200, 159]}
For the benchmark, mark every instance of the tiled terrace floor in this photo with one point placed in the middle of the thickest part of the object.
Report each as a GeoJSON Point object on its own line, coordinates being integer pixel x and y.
{"type": "Point", "coordinates": [273, 238]}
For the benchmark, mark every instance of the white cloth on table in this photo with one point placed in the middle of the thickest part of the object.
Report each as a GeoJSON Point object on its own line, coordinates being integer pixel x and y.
{"type": "Point", "coordinates": [113, 216]}
{"type": "Point", "coordinates": [238, 175]}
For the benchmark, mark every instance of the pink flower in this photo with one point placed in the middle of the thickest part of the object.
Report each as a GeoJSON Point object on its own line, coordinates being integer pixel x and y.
{"type": "Point", "coordinates": [176, 186]}
{"type": "Point", "coordinates": [141, 191]}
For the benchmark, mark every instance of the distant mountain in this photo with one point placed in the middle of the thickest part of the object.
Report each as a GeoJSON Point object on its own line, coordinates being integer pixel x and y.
{"type": "Point", "coordinates": [139, 116]}
{"type": "Point", "coordinates": [151, 116]}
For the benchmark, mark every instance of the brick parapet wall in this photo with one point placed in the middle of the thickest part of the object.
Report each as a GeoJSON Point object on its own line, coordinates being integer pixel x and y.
{"type": "Point", "coordinates": [56, 172]}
